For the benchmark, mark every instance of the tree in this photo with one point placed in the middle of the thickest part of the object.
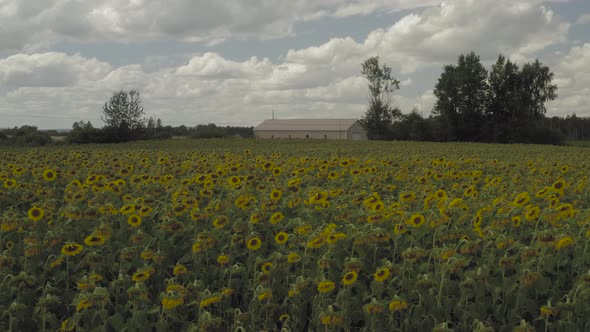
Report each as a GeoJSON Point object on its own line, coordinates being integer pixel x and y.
{"type": "Point", "coordinates": [517, 99]}
{"type": "Point", "coordinates": [124, 111]}
{"type": "Point", "coordinates": [462, 95]}
{"type": "Point", "coordinates": [380, 115]}
{"type": "Point", "coordinates": [537, 89]}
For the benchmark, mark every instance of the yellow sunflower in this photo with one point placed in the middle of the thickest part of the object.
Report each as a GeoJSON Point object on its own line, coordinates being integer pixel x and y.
{"type": "Point", "coordinates": [254, 243]}
{"type": "Point", "coordinates": [35, 213]}
{"type": "Point", "coordinates": [94, 239]}
{"type": "Point", "coordinates": [326, 286]}
{"type": "Point", "coordinates": [134, 220]}
{"type": "Point", "coordinates": [382, 274]}
{"type": "Point", "coordinates": [49, 175]}
{"type": "Point", "coordinates": [71, 249]}
{"type": "Point", "coordinates": [281, 238]}
{"type": "Point", "coordinates": [416, 220]}
{"type": "Point", "coordinates": [349, 278]}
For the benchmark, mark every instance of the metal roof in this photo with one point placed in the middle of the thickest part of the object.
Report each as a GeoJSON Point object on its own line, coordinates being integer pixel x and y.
{"type": "Point", "coordinates": [306, 125]}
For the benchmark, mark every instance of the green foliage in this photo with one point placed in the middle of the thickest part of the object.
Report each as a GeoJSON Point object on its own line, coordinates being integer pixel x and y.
{"type": "Point", "coordinates": [380, 115]}
{"type": "Point", "coordinates": [25, 136]}
{"type": "Point", "coordinates": [124, 117]}
{"type": "Point", "coordinates": [462, 97]}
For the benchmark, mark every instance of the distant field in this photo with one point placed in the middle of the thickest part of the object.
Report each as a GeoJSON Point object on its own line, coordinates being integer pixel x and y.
{"type": "Point", "coordinates": [584, 144]}
{"type": "Point", "coordinates": [295, 235]}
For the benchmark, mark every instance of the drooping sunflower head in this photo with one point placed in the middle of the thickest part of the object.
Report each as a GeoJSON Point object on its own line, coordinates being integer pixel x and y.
{"type": "Point", "coordinates": [349, 278]}
{"type": "Point", "coordinates": [71, 249]}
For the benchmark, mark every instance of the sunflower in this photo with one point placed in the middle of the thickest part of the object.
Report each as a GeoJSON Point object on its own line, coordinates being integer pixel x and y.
{"type": "Point", "coordinates": [521, 199]}
{"type": "Point", "coordinates": [326, 286]}
{"type": "Point", "coordinates": [134, 220]}
{"type": "Point", "coordinates": [172, 300]}
{"type": "Point", "coordinates": [275, 195]}
{"type": "Point", "coordinates": [254, 243]}
{"type": "Point", "coordinates": [220, 222]}
{"type": "Point", "coordinates": [35, 213]}
{"type": "Point", "coordinates": [382, 274]}
{"type": "Point", "coordinates": [223, 259]}
{"type": "Point", "coordinates": [349, 278]}
{"type": "Point", "coordinates": [281, 238]}
{"type": "Point", "coordinates": [558, 185]}
{"type": "Point", "coordinates": [127, 209]}
{"type": "Point", "coordinates": [9, 183]}
{"type": "Point", "coordinates": [49, 175]}
{"type": "Point", "coordinates": [516, 221]}
{"type": "Point", "coordinates": [564, 243]}
{"type": "Point", "coordinates": [266, 267]}
{"type": "Point", "coordinates": [84, 304]}
{"type": "Point", "coordinates": [416, 220]}
{"type": "Point", "coordinates": [532, 212]}
{"type": "Point", "coordinates": [293, 257]}
{"type": "Point", "coordinates": [276, 218]}
{"type": "Point", "coordinates": [71, 249]}
{"type": "Point", "coordinates": [209, 301]}
{"type": "Point", "coordinates": [141, 276]}
{"type": "Point", "coordinates": [398, 305]}
{"type": "Point", "coordinates": [9, 245]}
{"type": "Point", "coordinates": [94, 239]}
{"type": "Point", "coordinates": [179, 269]}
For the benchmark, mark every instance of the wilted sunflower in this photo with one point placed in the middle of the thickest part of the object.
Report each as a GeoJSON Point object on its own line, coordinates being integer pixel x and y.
{"type": "Point", "coordinates": [71, 249]}
{"type": "Point", "coordinates": [134, 220]}
{"type": "Point", "coordinates": [35, 213]}
{"type": "Point", "coordinates": [172, 300]}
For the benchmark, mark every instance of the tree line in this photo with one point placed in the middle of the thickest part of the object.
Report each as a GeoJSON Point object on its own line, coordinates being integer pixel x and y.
{"type": "Point", "coordinates": [503, 105]}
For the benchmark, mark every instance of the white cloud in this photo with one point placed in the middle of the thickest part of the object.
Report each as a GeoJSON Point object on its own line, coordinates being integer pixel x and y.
{"type": "Point", "coordinates": [584, 19]}
{"type": "Point", "coordinates": [35, 25]}
{"type": "Point", "coordinates": [50, 69]}
{"type": "Point", "coordinates": [573, 81]}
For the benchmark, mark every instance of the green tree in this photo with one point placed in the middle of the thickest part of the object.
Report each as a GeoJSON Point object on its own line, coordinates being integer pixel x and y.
{"type": "Point", "coordinates": [462, 96]}
{"type": "Point", "coordinates": [124, 111]}
{"type": "Point", "coordinates": [517, 99]}
{"type": "Point", "coordinates": [380, 115]}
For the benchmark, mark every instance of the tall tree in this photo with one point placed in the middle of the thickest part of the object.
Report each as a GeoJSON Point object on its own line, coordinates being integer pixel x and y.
{"type": "Point", "coordinates": [505, 99]}
{"type": "Point", "coordinates": [124, 111]}
{"type": "Point", "coordinates": [537, 89]}
{"type": "Point", "coordinates": [382, 85]}
{"type": "Point", "coordinates": [462, 95]}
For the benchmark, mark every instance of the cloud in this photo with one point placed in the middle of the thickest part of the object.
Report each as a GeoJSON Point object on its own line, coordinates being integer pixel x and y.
{"type": "Point", "coordinates": [35, 25]}
{"type": "Point", "coordinates": [49, 69]}
{"type": "Point", "coordinates": [573, 82]}
{"type": "Point", "coordinates": [584, 19]}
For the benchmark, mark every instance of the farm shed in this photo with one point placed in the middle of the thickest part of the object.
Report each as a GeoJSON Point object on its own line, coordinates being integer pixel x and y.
{"type": "Point", "coordinates": [348, 129]}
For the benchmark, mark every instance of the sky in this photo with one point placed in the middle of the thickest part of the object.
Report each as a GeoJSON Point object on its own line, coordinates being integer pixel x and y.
{"type": "Point", "coordinates": [233, 62]}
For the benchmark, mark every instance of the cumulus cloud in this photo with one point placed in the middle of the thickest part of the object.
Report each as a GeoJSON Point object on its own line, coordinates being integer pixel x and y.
{"type": "Point", "coordinates": [35, 25]}
{"type": "Point", "coordinates": [50, 69]}
{"type": "Point", "coordinates": [573, 81]}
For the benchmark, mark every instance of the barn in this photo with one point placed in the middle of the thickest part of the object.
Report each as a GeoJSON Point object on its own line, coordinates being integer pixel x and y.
{"type": "Point", "coordinates": [347, 129]}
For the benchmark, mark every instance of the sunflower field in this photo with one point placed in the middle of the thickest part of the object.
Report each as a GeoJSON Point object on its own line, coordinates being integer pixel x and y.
{"type": "Point", "coordinates": [295, 235]}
